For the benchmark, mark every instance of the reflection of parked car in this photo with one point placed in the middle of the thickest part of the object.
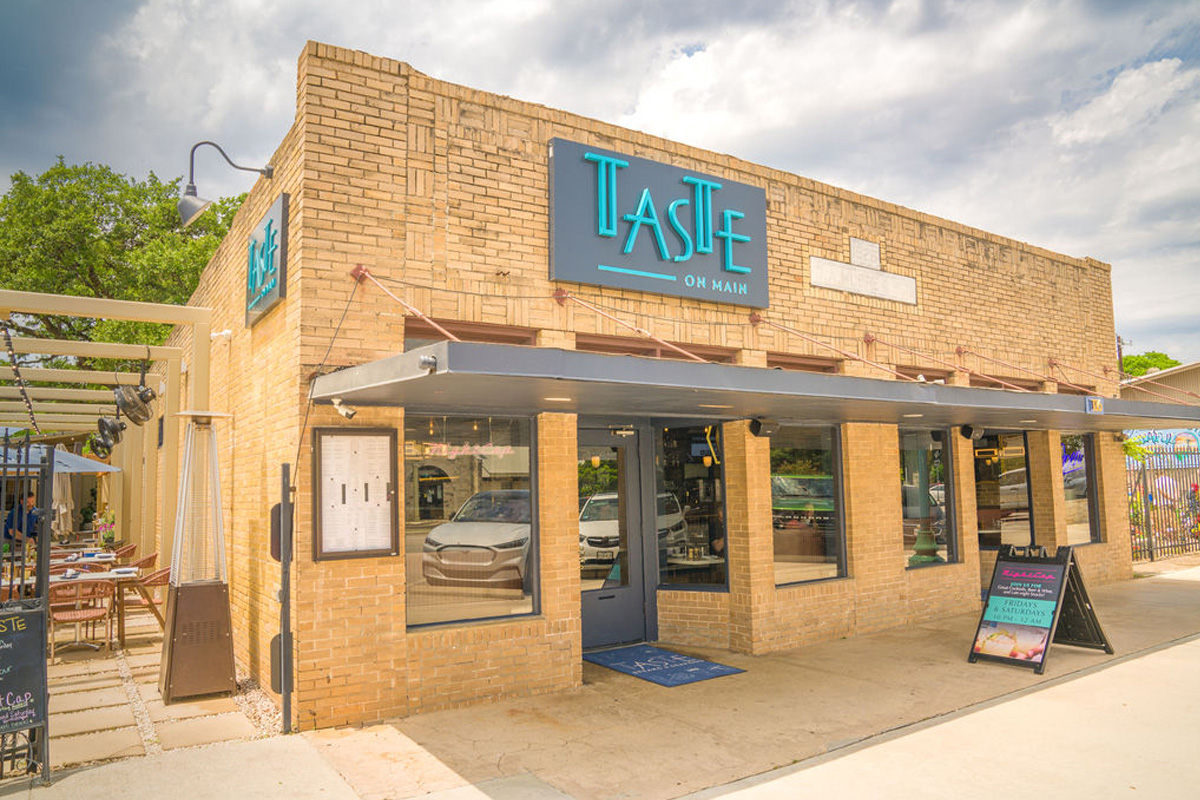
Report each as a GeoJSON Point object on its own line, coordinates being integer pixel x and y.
{"type": "Point", "coordinates": [801, 499]}
{"type": "Point", "coordinates": [599, 527]}
{"type": "Point", "coordinates": [485, 544]}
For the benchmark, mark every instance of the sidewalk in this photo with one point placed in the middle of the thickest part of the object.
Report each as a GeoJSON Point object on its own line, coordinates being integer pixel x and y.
{"type": "Point", "coordinates": [866, 705]}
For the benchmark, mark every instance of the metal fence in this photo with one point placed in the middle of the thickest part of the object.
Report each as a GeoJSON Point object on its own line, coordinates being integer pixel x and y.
{"type": "Point", "coordinates": [1164, 504]}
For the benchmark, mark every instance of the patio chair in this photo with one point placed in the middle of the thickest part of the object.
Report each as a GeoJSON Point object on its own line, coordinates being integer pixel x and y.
{"type": "Point", "coordinates": [145, 562]}
{"type": "Point", "coordinates": [79, 604]}
{"type": "Point", "coordinates": [125, 551]}
{"type": "Point", "coordinates": [151, 584]}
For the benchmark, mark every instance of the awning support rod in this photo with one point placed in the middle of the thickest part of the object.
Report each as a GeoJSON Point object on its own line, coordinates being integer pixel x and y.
{"type": "Point", "coordinates": [361, 273]}
{"type": "Point", "coordinates": [869, 338]}
{"type": "Point", "coordinates": [759, 319]}
{"type": "Point", "coordinates": [961, 350]}
{"type": "Point", "coordinates": [562, 296]}
{"type": "Point", "coordinates": [1056, 363]}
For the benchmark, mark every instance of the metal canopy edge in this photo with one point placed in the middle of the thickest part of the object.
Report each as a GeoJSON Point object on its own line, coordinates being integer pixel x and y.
{"type": "Point", "coordinates": [470, 377]}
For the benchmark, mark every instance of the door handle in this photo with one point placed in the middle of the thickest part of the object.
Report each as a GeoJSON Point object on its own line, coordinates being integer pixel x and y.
{"type": "Point", "coordinates": [606, 597]}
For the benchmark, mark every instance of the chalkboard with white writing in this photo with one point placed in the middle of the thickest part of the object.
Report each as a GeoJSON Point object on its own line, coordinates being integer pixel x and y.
{"type": "Point", "coordinates": [22, 669]}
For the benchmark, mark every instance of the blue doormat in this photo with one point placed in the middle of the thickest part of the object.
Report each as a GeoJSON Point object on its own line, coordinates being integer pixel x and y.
{"type": "Point", "coordinates": [659, 666]}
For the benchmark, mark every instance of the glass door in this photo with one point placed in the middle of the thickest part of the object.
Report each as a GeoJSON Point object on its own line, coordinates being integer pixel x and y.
{"type": "Point", "coordinates": [611, 563]}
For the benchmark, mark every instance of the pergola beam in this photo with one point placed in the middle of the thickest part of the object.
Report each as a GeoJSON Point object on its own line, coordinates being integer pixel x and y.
{"type": "Point", "coordinates": [52, 375]}
{"type": "Point", "coordinates": [64, 347]}
{"type": "Point", "coordinates": [96, 308]}
{"type": "Point", "coordinates": [54, 393]}
{"type": "Point", "coordinates": [41, 407]}
{"type": "Point", "coordinates": [10, 419]}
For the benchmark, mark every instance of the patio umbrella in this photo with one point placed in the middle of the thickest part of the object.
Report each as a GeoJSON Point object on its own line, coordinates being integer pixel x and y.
{"type": "Point", "coordinates": [64, 461]}
{"type": "Point", "coordinates": [64, 499]}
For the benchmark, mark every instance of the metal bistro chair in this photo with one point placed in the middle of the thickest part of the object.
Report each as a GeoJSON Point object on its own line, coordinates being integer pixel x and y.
{"type": "Point", "coordinates": [85, 602]}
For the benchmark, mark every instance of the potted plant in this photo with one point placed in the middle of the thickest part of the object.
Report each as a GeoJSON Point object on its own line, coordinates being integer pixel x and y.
{"type": "Point", "coordinates": [105, 526]}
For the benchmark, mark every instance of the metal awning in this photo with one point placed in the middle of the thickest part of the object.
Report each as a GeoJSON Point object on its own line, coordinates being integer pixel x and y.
{"type": "Point", "coordinates": [496, 379]}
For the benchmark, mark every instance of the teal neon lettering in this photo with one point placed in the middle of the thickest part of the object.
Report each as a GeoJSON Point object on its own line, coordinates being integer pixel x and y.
{"type": "Point", "coordinates": [702, 202]}
{"type": "Point", "coordinates": [726, 233]}
{"type": "Point", "coordinates": [606, 192]}
{"type": "Point", "coordinates": [680, 231]}
{"type": "Point", "coordinates": [646, 215]}
{"type": "Point", "coordinates": [261, 265]}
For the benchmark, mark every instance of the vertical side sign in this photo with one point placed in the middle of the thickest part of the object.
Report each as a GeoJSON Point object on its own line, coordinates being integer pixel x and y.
{"type": "Point", "coordinates": [266, 262]}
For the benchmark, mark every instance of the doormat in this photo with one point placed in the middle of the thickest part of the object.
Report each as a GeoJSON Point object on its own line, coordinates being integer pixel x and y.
{"type": "Point", "coordinates": [659, 666]}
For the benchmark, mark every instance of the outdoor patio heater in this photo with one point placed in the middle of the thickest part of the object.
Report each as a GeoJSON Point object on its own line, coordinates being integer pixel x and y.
{"type": "Point", "coordinates": [197, 655]}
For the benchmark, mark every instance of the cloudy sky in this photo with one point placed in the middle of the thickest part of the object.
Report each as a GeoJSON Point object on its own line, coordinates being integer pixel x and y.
{"type": "Point", "coordinates": [1072, 125]}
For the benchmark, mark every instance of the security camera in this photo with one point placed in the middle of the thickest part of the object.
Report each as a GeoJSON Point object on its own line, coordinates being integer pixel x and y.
{"type": "Point", "coordinates": [345, 410]}
{"type": "Point", "coordinates": [972, 432]}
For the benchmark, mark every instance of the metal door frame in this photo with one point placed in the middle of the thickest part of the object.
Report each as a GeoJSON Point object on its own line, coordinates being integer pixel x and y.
{"type": "Point", "coordinates": [644, 486]}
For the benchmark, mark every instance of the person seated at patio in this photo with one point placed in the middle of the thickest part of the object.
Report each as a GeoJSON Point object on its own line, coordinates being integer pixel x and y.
{"type": "Point", "coordinates": [21, 522]}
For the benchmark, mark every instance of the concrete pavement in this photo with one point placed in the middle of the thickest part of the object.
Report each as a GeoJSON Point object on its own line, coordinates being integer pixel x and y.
{"type": "Point", "coordinates": [892, 714]}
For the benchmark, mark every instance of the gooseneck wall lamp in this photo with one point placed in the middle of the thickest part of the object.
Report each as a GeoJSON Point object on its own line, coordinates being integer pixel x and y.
{"type": "Point", "coordinates": [191, 206]}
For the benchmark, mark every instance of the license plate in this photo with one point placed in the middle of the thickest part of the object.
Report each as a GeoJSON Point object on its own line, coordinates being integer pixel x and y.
{"type": "Point", "coordinates": [606, 555]}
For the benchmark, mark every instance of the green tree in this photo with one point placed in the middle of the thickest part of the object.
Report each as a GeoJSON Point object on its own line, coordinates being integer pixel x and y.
{"type": "Point", "coordinates": [1138, 365]}
{"type": "Point", "coordinates": [91, 232]}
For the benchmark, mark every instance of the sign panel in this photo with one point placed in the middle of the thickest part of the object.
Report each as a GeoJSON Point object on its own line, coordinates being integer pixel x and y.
{"type": "Point", "coordinates": [355, 498]}
{"type": "Point", "coordinates": [1030, 596]}
{"type": "Point", "coordinates": [630, 223]}
{"type": "Point", "coordinates": [22, 669]}
{"type": "Point", "coordinates": [266, 262]}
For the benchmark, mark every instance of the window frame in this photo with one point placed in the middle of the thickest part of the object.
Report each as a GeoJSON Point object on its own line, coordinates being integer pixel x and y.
{"type": "Point", "coordinates": [949, 493]}
{"type": "Point", "coordinates": [1095, 535]}
{"type": "Point", "coordinates": [839, 495]}
{"type": "Point", "coordinates": [535, 539]}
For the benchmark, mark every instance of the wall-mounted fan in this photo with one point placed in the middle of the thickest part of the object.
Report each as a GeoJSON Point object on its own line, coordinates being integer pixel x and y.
{"type": "Point", "coordinates": [135, 403]}
{"type": "Point", "coordinates": [108, 435]}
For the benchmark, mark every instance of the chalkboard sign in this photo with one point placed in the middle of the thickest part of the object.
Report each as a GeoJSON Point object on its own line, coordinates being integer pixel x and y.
{"type": "Point", "coordinates": [1031, 596]}
{"type": "Point", "coordinates": [22, 669]}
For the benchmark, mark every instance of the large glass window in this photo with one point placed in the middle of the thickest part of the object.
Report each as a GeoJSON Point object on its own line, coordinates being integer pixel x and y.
{"type": "Point", "coordinates": [1077, 460]}
{"type": "Point", "coordinates": [1002, 505]}
{"type": "Point", "coordinates": [690, 479]}
{"type": "Point", "coordinates": [926, 492]}
{"type": "Point", "coordinates": [806, 513]}
{"type": "Point", "coordinates": [468, 518]}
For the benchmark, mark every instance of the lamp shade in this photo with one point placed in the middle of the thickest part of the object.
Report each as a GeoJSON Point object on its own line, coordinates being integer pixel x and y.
{"type": "Point", "coordinates": [190, 206]}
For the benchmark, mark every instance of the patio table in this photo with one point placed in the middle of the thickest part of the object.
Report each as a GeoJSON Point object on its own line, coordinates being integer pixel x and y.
{"type": "Point", "coordinates": [123, 581]}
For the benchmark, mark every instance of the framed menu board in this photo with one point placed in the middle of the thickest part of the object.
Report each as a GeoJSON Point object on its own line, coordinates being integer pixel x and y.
{"type": "Point", "coordinates": [354, 493]}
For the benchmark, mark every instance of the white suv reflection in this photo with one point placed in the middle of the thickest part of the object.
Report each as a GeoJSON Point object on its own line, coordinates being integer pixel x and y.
{"type": "Point", "coordinates": [485, 544]}
{"type": "Point", "coordinates": [599, 527]}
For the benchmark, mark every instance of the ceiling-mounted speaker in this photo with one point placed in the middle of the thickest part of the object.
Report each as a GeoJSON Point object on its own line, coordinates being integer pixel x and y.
{"type": "Point", "coordinates": [763, 427]}
{"type": "Point", "coordinates": [972, 432]}
{"type": "Point", "coordinates": [135, 403]}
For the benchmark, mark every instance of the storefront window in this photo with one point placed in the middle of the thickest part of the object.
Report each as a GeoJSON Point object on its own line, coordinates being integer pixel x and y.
{"type": "Point", "coordinates": [926, 492]}
{"type": "Point", "coordinates": [806, 514]}
{"type": "Point", "coordinates": [1002, 491]}
{"type": "Point", "coordinates": [690, 479]}
{"type": "Point", "coordinates": [469, 542]}
{"type": "Point", "coordinates": [1077, 488]}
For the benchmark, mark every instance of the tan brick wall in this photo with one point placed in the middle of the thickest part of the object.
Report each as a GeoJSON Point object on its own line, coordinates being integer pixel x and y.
{"type": "Point", "coordinates": [442, 192]}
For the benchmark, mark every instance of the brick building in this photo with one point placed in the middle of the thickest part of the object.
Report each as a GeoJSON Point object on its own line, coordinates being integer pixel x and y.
{"type": "Point", "coordinates": [550, 384]}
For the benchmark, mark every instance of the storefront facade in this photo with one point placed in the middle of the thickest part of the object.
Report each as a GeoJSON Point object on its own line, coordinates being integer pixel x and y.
{"type": "Point", "coordinates": [637, 403]}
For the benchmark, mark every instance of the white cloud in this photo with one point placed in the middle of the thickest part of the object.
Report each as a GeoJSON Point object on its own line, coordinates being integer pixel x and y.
{"type": "Point", "coordinates": [1074, 125]}
{"type": "Point", "coordinates": [1135, 98]}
